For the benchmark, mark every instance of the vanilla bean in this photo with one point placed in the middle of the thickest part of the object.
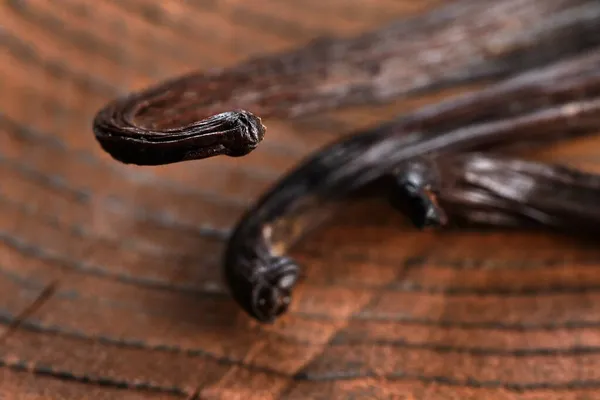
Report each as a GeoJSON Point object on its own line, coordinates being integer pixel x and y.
{"type": "Point", "coordinates": [220, 112]}
{"type": "Point", "coordinates": [542, 54]}
{"type": "Point", "coordinates": [535, 106]}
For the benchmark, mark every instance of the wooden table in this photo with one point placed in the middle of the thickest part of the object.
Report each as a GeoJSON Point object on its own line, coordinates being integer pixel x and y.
{"type": "Point", "coordinates": [110, 277]}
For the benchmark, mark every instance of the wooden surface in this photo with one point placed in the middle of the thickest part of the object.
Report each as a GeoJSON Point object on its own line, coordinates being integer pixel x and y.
{"type": "Point", "coordinates": [109, 274]}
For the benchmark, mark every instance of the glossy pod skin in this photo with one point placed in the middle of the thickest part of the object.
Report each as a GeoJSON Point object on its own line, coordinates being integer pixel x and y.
{"type": "Point", "coordinates": [229, 133]}
{"type": "Point", "coordinates": [503, 191]}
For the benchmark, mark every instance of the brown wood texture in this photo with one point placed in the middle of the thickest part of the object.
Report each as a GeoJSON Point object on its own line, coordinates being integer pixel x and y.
{"type": "Point", "coordinates": [110, 281]}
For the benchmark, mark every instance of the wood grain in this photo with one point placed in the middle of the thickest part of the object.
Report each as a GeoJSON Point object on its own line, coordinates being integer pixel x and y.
{"type": "Point", "coordinates": [122, 262]}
